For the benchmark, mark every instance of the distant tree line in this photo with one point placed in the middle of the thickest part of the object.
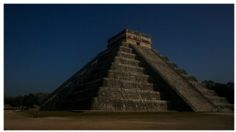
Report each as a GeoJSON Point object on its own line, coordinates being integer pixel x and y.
{"type": "Point", "coordinates": [224, 90]}
{"type": "Point", "coordinates": [26, 101]}
{"type": "Point", "coordinates": [35, 99]}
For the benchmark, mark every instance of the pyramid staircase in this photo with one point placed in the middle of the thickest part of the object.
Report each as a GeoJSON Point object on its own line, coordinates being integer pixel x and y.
{"type": "Point", "coordinates": [196, 95]}
{"type": "Point", "coordinates": [114, 81]}
{"type": "Point", "coordinates": [127, 77]}
{"type": "Point", "coordinates": [127, 87]}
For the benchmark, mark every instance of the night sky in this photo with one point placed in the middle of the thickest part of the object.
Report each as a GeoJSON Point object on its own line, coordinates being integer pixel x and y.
{"type": "Point", "coordinates": [45, 44]}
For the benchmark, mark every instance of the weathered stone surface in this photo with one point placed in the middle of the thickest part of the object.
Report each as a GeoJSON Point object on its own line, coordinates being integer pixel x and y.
{"type": "Point", "coordinates": [194, 94]}
{"type": "Point", "coordinates": [131, 76]}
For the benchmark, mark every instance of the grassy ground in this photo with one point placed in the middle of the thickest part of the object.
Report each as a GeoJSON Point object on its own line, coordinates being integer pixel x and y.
{"type": "Point", "coordinates": [65, 120]}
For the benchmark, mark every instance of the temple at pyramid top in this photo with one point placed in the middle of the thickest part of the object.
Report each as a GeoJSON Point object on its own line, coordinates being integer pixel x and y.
{"type": "Point", "coordinates": [131, 37]}
{"type": "Point", "coordinates": [131, 76]}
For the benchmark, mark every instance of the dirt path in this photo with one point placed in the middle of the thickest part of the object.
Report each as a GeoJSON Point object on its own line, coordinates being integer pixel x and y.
{"type": "Point", "coordinates": [122, 121]}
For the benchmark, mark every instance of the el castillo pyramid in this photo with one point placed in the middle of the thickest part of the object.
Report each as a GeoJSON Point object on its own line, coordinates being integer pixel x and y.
{"type": "Point", "coordinates": [132, 76]}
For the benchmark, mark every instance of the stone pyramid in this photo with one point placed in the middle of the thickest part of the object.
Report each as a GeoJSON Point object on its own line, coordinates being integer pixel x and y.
{"type": "Point", "coordinates": [132, 76]}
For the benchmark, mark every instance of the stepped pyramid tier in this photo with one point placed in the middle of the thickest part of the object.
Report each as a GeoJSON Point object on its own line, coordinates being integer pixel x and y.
{"type": "Point", "coordinates": [131, 76]}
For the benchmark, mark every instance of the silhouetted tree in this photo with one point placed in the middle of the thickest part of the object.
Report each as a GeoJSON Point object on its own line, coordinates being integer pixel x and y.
{"type": "Point", "coordinates": [224, 90]}
{"type": "Point", "coordinates": [13, 101]}
{"type": "Point", "coordinates": [29, 101]}
{"type": "Point", "coordinates": [26, 101]}
{"type": "Point", "coordinates": [208, 83]}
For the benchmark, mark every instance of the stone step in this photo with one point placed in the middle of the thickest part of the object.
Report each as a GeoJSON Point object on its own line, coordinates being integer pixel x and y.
{"type": "Point", "coordinates": [134, 105]}
{"type": "Point", "coordinates": [126, 68]}
{"type": "Point", "coordinates": [88, 93]}
{"type": "Point", "coordinates": [198, 85]}
{"type": "Point", "coordinates": [122, 93]}
{"type": "Point", "coordinates": [90, 84]}
{"type": "Point", "coordinates": [126, 55]}
{"type": "Point", "coordinates": [126, 61]}
{"type": "Point", "coordinates": [116, 83]}
{"type": "Point", "coordinates": [97, 74]}
{"type": "Point", "coordinates": [121, 50]}
{"type": "Point", "coordinates": [225, 107]}
{"type": "Point", "coordinates": [107, 56]}
{"type": "Point", "coordinates": [139, 77]}
{"type": "Point", "coordinates": [217, 99]}
{"type": "Point", "coordinates": [125, 44]}
{"type": "Point", "coordinates": [184, 90]}
{"type": "Point", "coordinates": [210, 93]}
{"type": "Point", "coordinates": [125, 49]}
{"type": "Point", "coordinates": [83, 93]}
{"type": "Point", "coordinates": [203, 89]}
{"type": "Point", "coordinates": [100, 68]}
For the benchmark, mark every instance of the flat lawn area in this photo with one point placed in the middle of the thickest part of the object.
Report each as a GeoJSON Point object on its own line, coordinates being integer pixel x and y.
{"type": "Point", "coordinates": [65, 120]}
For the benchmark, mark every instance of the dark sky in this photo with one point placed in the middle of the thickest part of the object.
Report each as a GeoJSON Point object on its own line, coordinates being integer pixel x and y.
{"type": "Point", "coordinates": [45, 44]}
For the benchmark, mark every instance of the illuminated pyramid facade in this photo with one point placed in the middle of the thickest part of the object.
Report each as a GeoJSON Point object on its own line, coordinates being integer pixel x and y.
{"type": "Point", "coordinates": [132, 76]}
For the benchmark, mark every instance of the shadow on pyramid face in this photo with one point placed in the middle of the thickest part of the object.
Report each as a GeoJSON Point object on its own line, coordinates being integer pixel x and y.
{"type": "Point", "coordinates": [131, 77]}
